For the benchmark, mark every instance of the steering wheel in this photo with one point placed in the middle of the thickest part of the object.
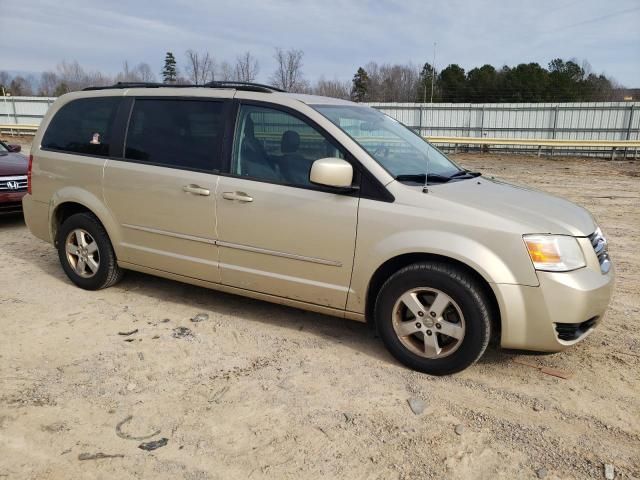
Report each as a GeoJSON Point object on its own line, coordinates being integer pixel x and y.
{"type": "Point", "coordinates": [381, 150]}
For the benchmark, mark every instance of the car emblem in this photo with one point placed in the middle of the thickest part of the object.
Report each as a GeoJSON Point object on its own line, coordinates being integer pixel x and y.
{"type": "Point", "coordinates": [12, 185]}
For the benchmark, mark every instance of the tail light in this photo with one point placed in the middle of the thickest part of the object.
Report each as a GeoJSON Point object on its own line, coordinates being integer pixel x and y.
{"type": "Point", "coordinates": [29, 174]}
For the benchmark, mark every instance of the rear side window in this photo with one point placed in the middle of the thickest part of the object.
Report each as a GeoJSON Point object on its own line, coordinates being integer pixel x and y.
{"type": "Point", "coordinates": [83, 126]}
{"type": "Point", "coordinates": [176, 133]}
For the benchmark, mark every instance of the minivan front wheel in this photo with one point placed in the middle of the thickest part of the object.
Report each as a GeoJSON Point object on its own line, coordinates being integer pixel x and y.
{"type": "Point", "coordinates": [86, 254]}
{"type": "Point", "coordinates": [434, 317]}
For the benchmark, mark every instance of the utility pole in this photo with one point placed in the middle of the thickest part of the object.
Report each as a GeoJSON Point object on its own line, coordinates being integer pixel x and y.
{"type": "Point", "coordinates": [433, 70]}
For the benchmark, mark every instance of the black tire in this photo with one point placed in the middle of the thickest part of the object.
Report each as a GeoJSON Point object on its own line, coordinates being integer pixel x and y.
{"type": "Point", "coordinates": [463, 288]}
{"type": "Point", "coordinates": [108, 273]}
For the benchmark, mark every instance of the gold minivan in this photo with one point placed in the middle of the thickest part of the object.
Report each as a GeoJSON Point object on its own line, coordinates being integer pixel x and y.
{"type": "Point", "coordinates": [316, 203]}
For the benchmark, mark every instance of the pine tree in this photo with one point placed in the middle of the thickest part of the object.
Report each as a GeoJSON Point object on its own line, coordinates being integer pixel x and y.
{"type": "Point", "coordinates": [169, 72]}
{"type": "Point", "coordinates": [452, 84]}
{"type": "Point", "coordinates": [425, 83]}
{"type": "Point", "coordinates": [360, 86]}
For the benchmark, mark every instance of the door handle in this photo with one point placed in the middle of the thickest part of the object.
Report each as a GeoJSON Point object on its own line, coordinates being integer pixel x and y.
{"type": "Point", "coordinates": [240, 196]}
{"type": "Point", "coordinates": [196, 190]}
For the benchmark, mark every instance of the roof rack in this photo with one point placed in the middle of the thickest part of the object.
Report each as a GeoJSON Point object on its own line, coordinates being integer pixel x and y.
{"type": "Point", "coordinates": [247, 86]}
{"type": "Point", "coordinates": [250, 86]}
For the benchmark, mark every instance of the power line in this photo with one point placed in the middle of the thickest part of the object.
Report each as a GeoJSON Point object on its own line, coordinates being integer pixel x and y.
{"type": "Point", "coordinates": [592, 20]}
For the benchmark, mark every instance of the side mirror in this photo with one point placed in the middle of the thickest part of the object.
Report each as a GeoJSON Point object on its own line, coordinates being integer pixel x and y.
{"type": "Point", "coordinates": [14, 148]}
{"type": "Point", "coordinates": [332, 172]}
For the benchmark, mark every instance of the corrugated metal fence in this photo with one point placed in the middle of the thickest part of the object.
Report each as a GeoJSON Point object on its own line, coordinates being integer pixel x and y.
{"type": "Point", "coordinates": [579, 121]}
{"type": "Point", "coordinates": [24, 110]}
{"type": "Point", "coordinates": [567, 121]}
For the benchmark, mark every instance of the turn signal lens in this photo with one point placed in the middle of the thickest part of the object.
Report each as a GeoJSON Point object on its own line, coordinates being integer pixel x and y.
{"type": "Point", "coordinates": [29, 168]}
{"type": "Point", "coordinates": [554, 253]}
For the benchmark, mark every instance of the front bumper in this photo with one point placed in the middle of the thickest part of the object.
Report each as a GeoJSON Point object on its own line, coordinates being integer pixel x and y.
{"type": "Point", "coordinates": [561, 311]}
{"type": "Point", "coordinates": [11, 202]}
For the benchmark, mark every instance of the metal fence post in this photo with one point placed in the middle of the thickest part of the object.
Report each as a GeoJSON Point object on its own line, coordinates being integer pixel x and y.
{"type": "Point", "coordinates": [631, 110]}
{"type": "Point", "coordinates": [6, 107]}
{"type": "Point", "coordinates": [15, 114]}
{"type": "Point", "coordinates": [555, 124]}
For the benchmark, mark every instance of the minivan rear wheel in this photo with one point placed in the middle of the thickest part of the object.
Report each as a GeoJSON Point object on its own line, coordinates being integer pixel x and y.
{"type": "Point", "coordinates": [434, 317]}
{"type": "Point", "coordinates": [86, 253]}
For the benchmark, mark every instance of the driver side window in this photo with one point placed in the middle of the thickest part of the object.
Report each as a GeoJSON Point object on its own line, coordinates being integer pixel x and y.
{"type": "Point", "coordinates": [274, 146]}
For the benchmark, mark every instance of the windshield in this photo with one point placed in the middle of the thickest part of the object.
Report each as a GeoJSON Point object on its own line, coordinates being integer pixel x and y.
{"type": "Point", "coordinates": [400, 151]}
{"type": "Point", "coordinates": [3, 149]}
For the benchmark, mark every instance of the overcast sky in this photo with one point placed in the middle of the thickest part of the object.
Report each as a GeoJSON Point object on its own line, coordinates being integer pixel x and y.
{"type": "Point", "coordinates": [336, 36]}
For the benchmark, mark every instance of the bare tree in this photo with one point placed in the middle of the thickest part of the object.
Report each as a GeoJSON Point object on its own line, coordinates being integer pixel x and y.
{"type": "Point", "coordinates": [399, 82]}
{"type": "Point", "coordinates": [392, 83]}
{"type": "Point", "coordinates": [72, 75]}
{"type": "Point", "coordinates": [247, 68]}
{"type": "Point", "coordinates": [48, 83]}
{"type": "Point", "coordinates": [180, 80]}
{"type": "Point", "coordinates": [98, 79]}
{"type": "Point", "coordinates": [226, 72]}
{"type": "Point", "coordinates": [200, 67]}
{"type": "Point", "coordinates": [140, 73]}
{"type": "Point", "coordinates": [144, 72]}
{"type": "Point", "coordinates": [19, 86]}
{"type": "Point", "coordinates": [333, 88]}
{"type": "Point", "coordinates": [5, 79]}
{"type": "Point", "coordinates": [288, 75]}
{"type": "Point", "coordinates": [126, 75]}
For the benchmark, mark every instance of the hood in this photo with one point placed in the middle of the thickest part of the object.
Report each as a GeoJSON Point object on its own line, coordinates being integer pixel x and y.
{"type": "Point", "coordinates": [13, 164]}
{"type": "Point", "coordinates": [535, 211]}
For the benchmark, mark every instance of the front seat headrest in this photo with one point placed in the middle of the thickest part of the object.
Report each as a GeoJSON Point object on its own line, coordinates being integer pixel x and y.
{"type": "Point", "coordinates": [290, 142]}
{"type": "Point", "coordinates": [249, 128]}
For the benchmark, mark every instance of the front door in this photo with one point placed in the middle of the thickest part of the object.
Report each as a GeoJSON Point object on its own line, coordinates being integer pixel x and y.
{"type": "Point", "coordinates": [278, 233]}
{"type": "Point", "coordinates": [162, 193]}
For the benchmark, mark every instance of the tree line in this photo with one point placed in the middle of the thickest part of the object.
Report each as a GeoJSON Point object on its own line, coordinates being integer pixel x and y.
{"type": "Point", "coordinates": [561, 81]}
{"type": "Point", "coordinates": [197, 68]}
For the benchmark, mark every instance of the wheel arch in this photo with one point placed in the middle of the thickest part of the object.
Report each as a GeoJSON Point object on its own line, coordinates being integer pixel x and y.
{"type": "Point", "coordinates": [69, 202]}
{"type": "Point", "coordinates": [394, 264]}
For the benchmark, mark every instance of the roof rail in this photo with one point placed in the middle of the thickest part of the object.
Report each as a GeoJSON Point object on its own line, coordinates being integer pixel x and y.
{"type": "Point", "coordinates": [254, 87]}
{"type": "Point", "coordinates": [247, 86]}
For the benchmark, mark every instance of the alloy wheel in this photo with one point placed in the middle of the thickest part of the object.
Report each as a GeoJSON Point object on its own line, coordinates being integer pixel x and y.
{"type": "Point", "coordinates": [83, 254]}
{"type": "Point", "coordinates": [428, 322]}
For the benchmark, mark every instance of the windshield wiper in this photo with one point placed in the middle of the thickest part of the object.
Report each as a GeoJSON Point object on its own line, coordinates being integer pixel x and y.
{"type": "Point", "coordinates": [464, 173]}
{"type": "Point", "coordinates": [421, 177]}
{"type": "Point", "coordinates": [435, 177]}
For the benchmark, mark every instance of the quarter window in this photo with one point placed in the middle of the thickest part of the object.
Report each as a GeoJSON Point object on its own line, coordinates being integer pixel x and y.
{"type": "Point", "coordinates": [275, 146]}
{"type": "Point", "coordinates": [176, 133]}
{"type": "Point", "coordinates": [83, 126]}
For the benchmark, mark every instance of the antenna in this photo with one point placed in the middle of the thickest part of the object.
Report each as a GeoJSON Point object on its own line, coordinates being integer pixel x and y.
{"type": "Point", "coordinates": [425, 188]}
{"type": "Point", "coordinates": [433, 71]}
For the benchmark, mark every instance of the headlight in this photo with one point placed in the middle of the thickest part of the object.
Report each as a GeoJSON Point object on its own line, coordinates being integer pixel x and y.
{"type": "Point", "coordinates": [554, 253]}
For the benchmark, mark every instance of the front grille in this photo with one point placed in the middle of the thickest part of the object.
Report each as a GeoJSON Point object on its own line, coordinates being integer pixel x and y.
{"type": "Point", "coordinates": [10, 207]}
{"type": "Point", "coordinates": [599, 244]}
{"type": "Point", "coordinates": [573, 331]}
{"type": "Point", "coordinates": [13, 184]}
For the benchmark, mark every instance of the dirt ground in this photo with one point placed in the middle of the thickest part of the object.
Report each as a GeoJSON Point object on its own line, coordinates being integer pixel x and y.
{"type": "Point", "coordinates": [264, 391]}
